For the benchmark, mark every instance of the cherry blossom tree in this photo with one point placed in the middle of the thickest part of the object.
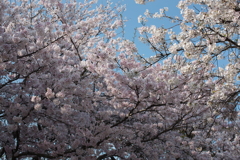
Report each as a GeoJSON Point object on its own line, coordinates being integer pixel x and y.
{"type": "Point", "coordinates": [208, 38]}
{"type": "Point", "coordinates": [72, 89]}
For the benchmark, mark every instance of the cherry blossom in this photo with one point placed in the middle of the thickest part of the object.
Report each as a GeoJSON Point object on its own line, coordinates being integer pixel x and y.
{"type": "Point", "coordinates": [72, 89]}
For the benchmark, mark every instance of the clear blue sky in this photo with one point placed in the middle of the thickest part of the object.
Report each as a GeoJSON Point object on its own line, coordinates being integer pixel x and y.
{"type": "Point", "coordinates": [132, 12]}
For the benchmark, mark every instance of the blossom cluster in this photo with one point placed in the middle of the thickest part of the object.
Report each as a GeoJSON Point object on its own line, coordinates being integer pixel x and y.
{"type": "Point", "coordinates": [143, 1]}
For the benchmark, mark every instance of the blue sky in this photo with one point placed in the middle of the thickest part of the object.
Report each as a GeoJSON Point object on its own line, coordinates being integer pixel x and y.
{"type": "Point", "coordinates": [132, 12]}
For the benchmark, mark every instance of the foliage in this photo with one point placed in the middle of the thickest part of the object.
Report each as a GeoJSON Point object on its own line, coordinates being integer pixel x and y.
{"type": "Point", "coordinates": [70, 88]}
